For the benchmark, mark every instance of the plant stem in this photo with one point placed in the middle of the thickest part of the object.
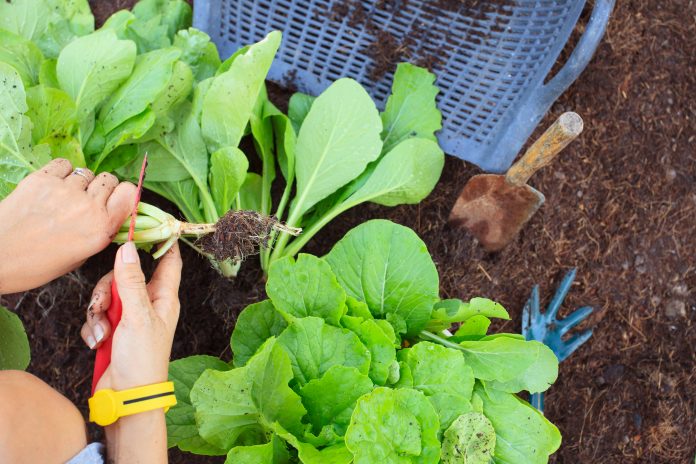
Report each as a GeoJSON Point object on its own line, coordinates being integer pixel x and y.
{"type": "Point", "coordinates": [297, 244]}
{"type": "Point", "coordinates": [442, 341]}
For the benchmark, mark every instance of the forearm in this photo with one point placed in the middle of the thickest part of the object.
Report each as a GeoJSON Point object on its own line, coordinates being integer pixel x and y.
{"type": "Point", "coordinates": [138, 439]}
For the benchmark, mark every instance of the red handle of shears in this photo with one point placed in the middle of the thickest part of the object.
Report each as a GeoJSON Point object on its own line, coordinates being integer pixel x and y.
{"type": "Point", "coordinates": [113, 314]}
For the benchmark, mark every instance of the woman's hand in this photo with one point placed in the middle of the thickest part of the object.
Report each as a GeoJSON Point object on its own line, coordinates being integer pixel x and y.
{"type": "Point", "coordinates": [141, 347]}
{"type": "Point", "coordinates": [54, 220]}
{"type": "Point", "coordinates": [143, 339]}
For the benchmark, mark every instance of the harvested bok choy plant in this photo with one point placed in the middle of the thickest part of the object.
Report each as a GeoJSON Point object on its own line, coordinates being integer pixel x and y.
{"type": "Point", "coordinates": [234, 236]}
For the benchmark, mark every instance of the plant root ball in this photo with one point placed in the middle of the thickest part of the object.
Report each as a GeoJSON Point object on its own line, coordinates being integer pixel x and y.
{"type": "Point", "coordinates": [238, 234]}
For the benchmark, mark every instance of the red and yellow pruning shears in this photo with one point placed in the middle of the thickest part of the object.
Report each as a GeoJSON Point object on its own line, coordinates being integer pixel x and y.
{"type": "Point", "coordinates": [113, 314]}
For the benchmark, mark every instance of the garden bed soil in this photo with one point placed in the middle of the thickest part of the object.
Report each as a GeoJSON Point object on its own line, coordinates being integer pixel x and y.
{"type": "Point", "coordinates": [621, 207]}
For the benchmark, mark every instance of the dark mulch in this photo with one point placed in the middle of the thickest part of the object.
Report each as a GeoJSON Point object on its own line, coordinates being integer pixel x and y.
{"type": "Point", "coordinates": [620, 207]}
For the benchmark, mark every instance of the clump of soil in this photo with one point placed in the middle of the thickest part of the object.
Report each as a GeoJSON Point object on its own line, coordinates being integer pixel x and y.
{"type": "Point", "coordinates": [239, 234]}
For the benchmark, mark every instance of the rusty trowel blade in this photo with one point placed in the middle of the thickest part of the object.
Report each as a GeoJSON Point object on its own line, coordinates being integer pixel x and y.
{"type": "Point", "coordinates": [493, 210]}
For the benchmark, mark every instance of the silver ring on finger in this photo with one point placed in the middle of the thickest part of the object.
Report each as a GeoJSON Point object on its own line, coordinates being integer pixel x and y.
{"type": "Point", "coordinates": [81, 172]}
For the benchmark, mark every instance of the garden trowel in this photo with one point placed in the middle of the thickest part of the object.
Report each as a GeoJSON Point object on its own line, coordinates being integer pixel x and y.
{"type": "Point", "coordinates": [495, 207]}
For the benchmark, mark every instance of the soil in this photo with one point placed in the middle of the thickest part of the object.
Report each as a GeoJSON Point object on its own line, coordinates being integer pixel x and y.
{"type": "Point", "coordinates": [620, 207]}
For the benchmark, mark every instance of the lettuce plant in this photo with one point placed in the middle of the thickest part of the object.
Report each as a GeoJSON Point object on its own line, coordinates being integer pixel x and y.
{"type": "Point", "coordinates": [143, 82]}
{"type": "Point", "coordinates": [350, 359]}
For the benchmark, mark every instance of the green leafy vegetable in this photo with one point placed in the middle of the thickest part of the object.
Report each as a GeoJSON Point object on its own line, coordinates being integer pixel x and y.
{"type": "Point", "coordinates": [321, 368]}
{"type": "Point", "coordinates": [469, 440]}
{"type": "Point", "coordinates": [389, 268]}
{"type": "Point", "coordinates": [14, 344]}
{"type": "Point", "coordinates": [181, 425]}
{"type": "Point", "coordinates": [394, 426]}
{"type": "Point", "coordinates": [523, 434]}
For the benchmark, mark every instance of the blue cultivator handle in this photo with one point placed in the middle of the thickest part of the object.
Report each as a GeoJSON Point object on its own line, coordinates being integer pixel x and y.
{"type": "Point", "coordinates": [546, 328]}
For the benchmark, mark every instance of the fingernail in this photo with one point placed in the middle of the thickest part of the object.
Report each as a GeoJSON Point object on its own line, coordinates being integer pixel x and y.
{"type": "Point", "coordinates": [129, 255]}
{"type": "Point", "coordinates": [90, 308]}
{"type": "Point", "coordinates": [91, 342]}
{"type": "Point", "coordinates": [98, 332]}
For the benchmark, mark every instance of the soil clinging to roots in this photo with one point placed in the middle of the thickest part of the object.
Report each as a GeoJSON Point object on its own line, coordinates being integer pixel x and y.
{"type": "Point", "coordinates": [239, 234]}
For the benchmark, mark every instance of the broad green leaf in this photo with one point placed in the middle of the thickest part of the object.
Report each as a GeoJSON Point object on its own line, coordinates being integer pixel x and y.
{"type": "Point", "coordinates": [273, 452]}
{"type": "Point", "coordinates": [447, 312]}
{"type": "Point", "coordinates": [91, 68]}
{"type": "Point", "coordinates": [308, 454]}
{"type": "Point", "coordinates": [67, 19]}
{"type": "Point", "coordinates": [228, 169]}
{"type": "Point", "coordinates": [469, 440]}
{"type": "Point", "coordinates": [47, 74]}
{"type": "Point", "coordinates": [314, 347]}
{"type": "Point", "coordinates": [298, 108]}
{"type": "Point", "coordinates": [411, 110]}
{"type": "Point", "coordinates": [121, 156]}
{"type": "Point", "coordinates": [177, 90]}
{"type": "Point", "coordinates": [173, 14]}
{"type": "Point", "coordinates": [65, 146]}
{"type": "Point", "coordinates": [330, 400]}
{"type": "Point", "coordinates": [338, 138]}
{"type": "Point", "coordinates": [181, 424]}
{"type": "Point", "coordinates": [475, 325]}
{"type": "Point", "coordinates": [22, 55]}
{"type": "Point", "coordinates": [394, 427]}
{"type": "Point", "coordinates": [306, 287]}
{"type": "Point", "coordinates": [151, 74]}
{"type": "Point", "coordinates": [270, 371]}
{"type": "Point", "coordinates": [523, 434]}
{"type": "Point", "coordinates": [357, 308]}
{"type": "Point", "coordinates": [516, 364]}
{"type": "Point", "coordinates": [380, 344]}
{"type": "Point", "coordinates": [148, 34]}
{"type": "Point", "coordinates": [52, 112]}
{"type": "Point", "coordinates": [405, 175]}
{"type": "Point", "coordinates": [119, 22]}
{"type": "Point", "coordinates": [250, 193]}
{"type": "Point", "coordinates": [537, 377]}
{"type": "Point", "coordinates": [198, 52]}
{"type": "Point", "coordinates": [181, 153]}
{"type": "Point", "coordinates": [27, 18]}
{"type": "Point", "coordinates": [14, 344]}
{"type": "Point", "coordinates": [246, 400]}
{"type": "Point", "coordinates": [17, 155]}
{"type": "Point", "coordinates": [126, 133]}
{"type": "Point", "coordinates": [388, 267]}
{"type": "Point", "coordinates": [443, 376]}
{"type": "Point", "coordinates": [223, 406]}
{"type": "Point", "coordinates": [255, 324]}
{"type": "Point", "coordinates": [229, 102]}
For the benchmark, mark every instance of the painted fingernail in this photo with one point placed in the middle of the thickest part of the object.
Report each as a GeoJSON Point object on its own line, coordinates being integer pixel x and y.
{"type": "Point", "coordinates": [129, 255]}
{"type": "Point", "coordinates": [91, 342]}
{"type": "Point", "coordinates": [98, 332]}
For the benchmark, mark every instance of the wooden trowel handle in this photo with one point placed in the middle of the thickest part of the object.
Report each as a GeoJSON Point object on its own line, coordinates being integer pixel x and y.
{"type": "Point", "coordinates": [544, 150]}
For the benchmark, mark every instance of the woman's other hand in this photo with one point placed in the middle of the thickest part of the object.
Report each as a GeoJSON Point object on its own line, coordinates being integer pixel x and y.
{"type": "Point", "coordinates": [55, 219]}
{"type": "Point", "coordinates": [142, 342]}
{"type": "Point", "coordinates": [141, 346]}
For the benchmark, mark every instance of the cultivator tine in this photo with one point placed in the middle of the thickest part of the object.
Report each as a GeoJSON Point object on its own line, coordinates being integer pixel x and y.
{"type": "Point", "coordinates": [575, 318]}
{"type": "Point", "coordinates": [529, 309]}
{"type": "Point", "coordinates": [572, 344]}
{"type": "Point", "coordinates": [560, 295]}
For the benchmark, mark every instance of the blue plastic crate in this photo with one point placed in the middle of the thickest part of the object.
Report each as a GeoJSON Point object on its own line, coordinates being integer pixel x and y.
{"type": "Point", "coordinates": [492, 71]}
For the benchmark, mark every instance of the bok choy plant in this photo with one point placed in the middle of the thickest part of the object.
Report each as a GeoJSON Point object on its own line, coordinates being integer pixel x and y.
{"type": "Point", "coordinates": [145, 83]}
{"type": "Point", "coordinates": [347, 361]}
